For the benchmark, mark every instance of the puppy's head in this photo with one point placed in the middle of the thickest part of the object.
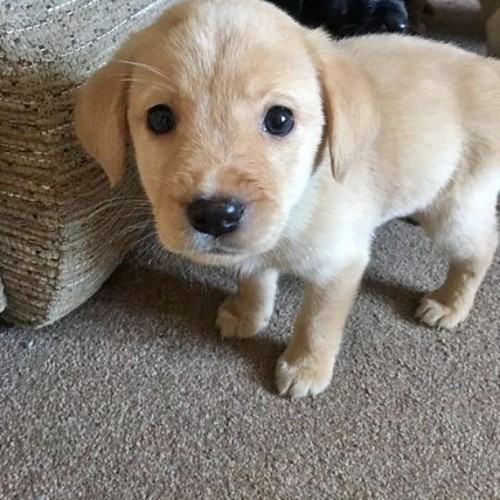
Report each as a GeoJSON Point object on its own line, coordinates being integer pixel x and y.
{"type": "Point", "coordinates": [230, 106]}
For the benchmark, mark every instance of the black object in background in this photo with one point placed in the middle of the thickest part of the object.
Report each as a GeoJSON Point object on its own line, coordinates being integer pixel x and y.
{"type": "Point", "coordinates": [349, 17]}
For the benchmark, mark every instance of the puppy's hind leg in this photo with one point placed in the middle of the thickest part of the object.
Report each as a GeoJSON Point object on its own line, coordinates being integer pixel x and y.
{"type": "Point", "coordinates": [463, 225]}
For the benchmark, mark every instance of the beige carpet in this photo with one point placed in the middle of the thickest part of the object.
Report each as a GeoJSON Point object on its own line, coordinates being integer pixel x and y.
{"type": "Point", "coordinates": [134, 396]}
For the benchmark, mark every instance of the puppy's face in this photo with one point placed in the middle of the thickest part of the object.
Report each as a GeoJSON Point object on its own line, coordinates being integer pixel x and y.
{"type": "Point", "coordinates": [223, 102]}
{"type": "Point", "coordinates": [226, 121]}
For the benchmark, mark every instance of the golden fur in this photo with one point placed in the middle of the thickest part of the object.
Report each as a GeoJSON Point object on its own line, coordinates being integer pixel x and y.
{"type": "Point", "coordinates": [386, 126]}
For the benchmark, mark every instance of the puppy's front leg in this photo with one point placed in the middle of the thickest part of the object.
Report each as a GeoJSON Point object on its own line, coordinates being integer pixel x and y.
{"type": "Point", "coordinates": [249, 311]}
{"type": "Point", "coordinates": [306, 366]}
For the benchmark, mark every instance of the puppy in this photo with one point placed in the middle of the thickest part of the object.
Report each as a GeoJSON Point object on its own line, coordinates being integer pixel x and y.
{"type": "Point", "coordinates": [349, 17]}
{"type": "Point", "coordinates": [265, 146]}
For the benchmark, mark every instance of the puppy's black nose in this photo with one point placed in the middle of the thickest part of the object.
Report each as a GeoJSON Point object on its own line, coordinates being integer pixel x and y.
{"type": "Point", "coordinates": [215, 216]}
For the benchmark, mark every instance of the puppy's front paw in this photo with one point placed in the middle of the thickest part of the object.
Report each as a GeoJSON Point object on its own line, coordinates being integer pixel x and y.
{"type": "Point", "coordinates": [241, 318]}
{"type": "Point", "coordinates": [434, 313]}
{"type": "Point", "coordinates": [308, 376]}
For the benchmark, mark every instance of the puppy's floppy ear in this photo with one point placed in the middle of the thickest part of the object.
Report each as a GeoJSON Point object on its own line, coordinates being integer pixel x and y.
{"type": "Point", "coordinates": [352, 119]}
{"type": "Point", "coordinates": [100, 116]}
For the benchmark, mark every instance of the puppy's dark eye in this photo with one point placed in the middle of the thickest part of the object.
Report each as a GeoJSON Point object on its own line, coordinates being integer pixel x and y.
{"type": "Point", "coordinates": [278, 121]}
{"type": "Point", "coordinates": [161, 119]}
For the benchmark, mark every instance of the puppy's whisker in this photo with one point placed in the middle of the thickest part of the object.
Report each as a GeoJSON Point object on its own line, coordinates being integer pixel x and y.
{"type": "Point", "coordinates": [157, 179]}
{"type": "Point", "coordinates": [149, 247]}
{"type": "Point", "coordinates": [120, 206]}
{"type": "Point", "coordinates": [122, 232]}
{"type": "Point", "coordinates": [154, 253]}
{"type": "Point", "coordinates": [121, 213]}
{"type": "Point", "coordinates": [120, 202]}
{"type": "Point", "coordinates": [147, 83]}
{"type": "Point", "coordinates": [118, 239]}
{"type": "Point", "coordinates": [147, 237]}
{"type": "Point", "coordinates": [148, 67]}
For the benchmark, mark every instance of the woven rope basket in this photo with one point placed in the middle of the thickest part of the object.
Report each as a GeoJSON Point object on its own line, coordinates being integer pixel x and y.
{"type": "Point", "coordinates": [56, 249]}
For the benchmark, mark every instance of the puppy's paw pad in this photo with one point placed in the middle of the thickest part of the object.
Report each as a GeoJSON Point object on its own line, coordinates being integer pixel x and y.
{"type": "Point", "coordinates": [304, 378]}
{"type": "Point", "coordinates": [233, 321]}
{"type": "Point", "coordinates": [434, 313]}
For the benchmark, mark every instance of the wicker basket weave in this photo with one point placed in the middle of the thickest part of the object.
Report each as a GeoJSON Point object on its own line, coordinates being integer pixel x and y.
{"type": "Point", "coordinates": [56, 249]}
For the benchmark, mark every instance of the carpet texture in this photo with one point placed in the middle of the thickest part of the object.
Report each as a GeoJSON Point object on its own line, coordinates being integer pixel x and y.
{"type": "Point", "coordinates": [134, 396]}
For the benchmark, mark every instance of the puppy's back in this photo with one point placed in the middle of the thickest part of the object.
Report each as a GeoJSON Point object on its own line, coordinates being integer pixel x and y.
{"type": "Point", "coordinates": [397, 60]}
{"type": "Point", "coordinates": [440, 114]}
{"type": "Point", "coordinates": [438, 84]}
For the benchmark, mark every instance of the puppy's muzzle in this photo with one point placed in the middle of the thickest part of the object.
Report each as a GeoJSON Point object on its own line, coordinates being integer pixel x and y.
{"type": "Point", "coordinates": [215, 216]}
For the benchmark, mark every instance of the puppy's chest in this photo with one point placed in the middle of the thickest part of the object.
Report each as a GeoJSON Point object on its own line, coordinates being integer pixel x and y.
{"type": "Point", "coordinates": [311, 256]}
{"type": "Point", "coordinates": [299, 258]}
{"type": "Point", "coordinates": [321, 235]}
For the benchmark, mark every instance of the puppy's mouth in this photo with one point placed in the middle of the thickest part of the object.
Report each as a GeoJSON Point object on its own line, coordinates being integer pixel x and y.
{"type": "Point", "coordinates": [223, 251]}
{"type": "Point", "coordinates": [214, 232]}
{"type": "Point", "coordinates": [226, 251]}
{"type": "Point", "coordinates": [204, 245]}
{"type": "Point", "coordinates": [216, 254]}
{"type": "Point", "coordinates": [204, 248]}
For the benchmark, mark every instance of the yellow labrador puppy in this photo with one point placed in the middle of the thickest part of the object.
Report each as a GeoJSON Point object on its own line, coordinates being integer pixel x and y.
{"type": "Point", "coordinates": [267, 146]}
